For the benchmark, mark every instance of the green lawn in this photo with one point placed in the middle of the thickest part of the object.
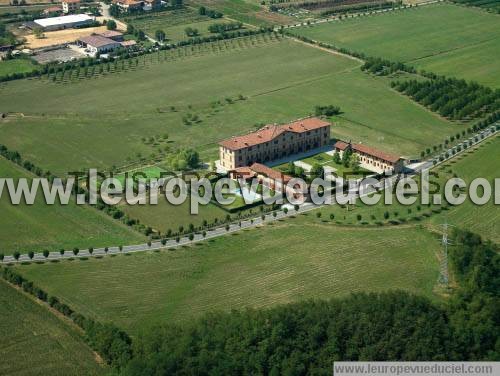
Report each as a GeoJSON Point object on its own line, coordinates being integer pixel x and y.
{"type": "Point", "coordinates": [165, 216]}
{"type": "Point", "coordinates": [16, 66]}
{"type": "Point", "coordinates": [285, 262]}
{"type": "Point", "coordinates": [42, 226]}
{"type": "Point", "coordinates": [35, 342]}
{"type": "Point", "coordinates": [442, 38]}
{"type": "Point", "coordinates": [327, 160]}
{"type": "Point", "coordinates": [98, 123]}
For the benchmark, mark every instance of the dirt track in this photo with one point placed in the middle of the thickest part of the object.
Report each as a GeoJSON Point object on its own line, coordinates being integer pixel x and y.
{"type": "Point", "coordinates": [53, 38]}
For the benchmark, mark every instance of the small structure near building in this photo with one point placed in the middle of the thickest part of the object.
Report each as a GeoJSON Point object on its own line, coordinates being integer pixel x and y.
{"type": "Point", "coordinates": [98, 44]}
{"type": "Point", "coordinates": [371, 158]}
{"type": "Point", "coordinates": [52, 11]}
{"type": "Point", "coordinates": [63, 22]}
{"type": "Point", "coordinates": [70, 6]}
{"type": "Point", "coordinates": [272, 179]}
{"type": "Point", "coordinates": [104, 42]}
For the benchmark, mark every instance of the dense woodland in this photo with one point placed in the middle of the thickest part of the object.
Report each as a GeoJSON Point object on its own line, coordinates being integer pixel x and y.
{"type": "Point", "coordinates": [304, 338]}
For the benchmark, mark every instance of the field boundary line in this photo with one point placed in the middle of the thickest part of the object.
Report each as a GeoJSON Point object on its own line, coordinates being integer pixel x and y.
{"type": "Point", "coordinates": [333, 52]}
{"type": "Point", "coordinates": [65, 320]}
{"type": "Point", "coordinates": [450, 50]}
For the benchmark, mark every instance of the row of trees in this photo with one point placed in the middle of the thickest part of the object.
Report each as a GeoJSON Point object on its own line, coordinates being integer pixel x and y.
{"type": "Point", "coordinates": [452, 98]}
{"type": "Point", "coordinates": [304, 338]}
{"type": "Point", "coordinates": [113, 344]}
{"type": "Point", "coordinates": [204, 11]}
{"type": "Point", "coordinates": [448, 142]}
{"type": "Point", "coordinates": [384, 67]}
{"type": "Point", "coordinates": [224, 27]}
{"type": "Point", "coordinates": [15, 156]}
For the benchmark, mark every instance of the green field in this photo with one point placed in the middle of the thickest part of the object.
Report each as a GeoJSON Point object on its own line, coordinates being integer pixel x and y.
{"type": "Point", "coordinates": [98, 123]}
{"type": "Point", "coordinates": [442, 38]}
{"type": "Point", "coordinates": [482, 163]}
{"type": "Point", "coordinates": [174, 23]}
{"type": "Point", "coordinates": [246, 11]}
{"type": "Point", "coordinates": [280, 263]}
{"type": "Point", "coordinates": [42, 226]}
{"type": "Point", "coordinates": [16, 66]}
{"type": "Point", "coordinates": [35, 342]}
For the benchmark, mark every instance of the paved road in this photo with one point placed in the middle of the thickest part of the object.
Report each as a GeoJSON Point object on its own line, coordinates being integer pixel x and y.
{"type": "Point", "coordinates": [251, 223]}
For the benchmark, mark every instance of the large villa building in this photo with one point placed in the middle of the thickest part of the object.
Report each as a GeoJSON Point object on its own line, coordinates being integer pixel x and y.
{"type": "Point", "coordinates": [371, 158]}
{"type": "Point", "coordinates": [274, 142]}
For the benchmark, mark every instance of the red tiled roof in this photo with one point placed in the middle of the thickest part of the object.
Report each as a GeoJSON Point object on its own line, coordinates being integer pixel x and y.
{"type": "Point", "coordinates": [341, 145]}
{"type": "Point", "coordinates": [269, 172]}
{"type": "Point", "coordinates": [376, 153]}
{"type": "Point", "coordinates": [126, 2]}
{"type": "Point", "coordinates": [387, 157]}
{"type": "Point", "coordinates": [97, 40]}
{"type": "Point", "coordinates": [269, 132]}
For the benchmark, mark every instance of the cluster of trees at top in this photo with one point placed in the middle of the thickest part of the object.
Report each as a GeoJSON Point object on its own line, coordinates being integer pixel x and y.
{"type": "Point", "coordinates": [384, 67]}
{"type": "Point", "coordinates": [223, 27]}
{"type": "Point", "coordinates": [304, 338]}
{"type": "Point", "coordinates": [204, 11]}
{"type": "Point", "coordinates": [329, 110]}
{"type": "Point", "coordinates": [348, 159]}
{"type": "Point", "coordinates": [183, 160]}
{"type": "Point", "coordinates": [452, 98]}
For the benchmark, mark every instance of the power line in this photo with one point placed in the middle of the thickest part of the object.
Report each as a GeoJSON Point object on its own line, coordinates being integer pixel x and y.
{"type": "Point", "coordinates": [443, 270]}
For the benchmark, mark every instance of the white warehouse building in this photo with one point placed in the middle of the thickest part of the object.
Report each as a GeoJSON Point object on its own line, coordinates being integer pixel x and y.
{"type": "Point", "coordinates": [64, 22]}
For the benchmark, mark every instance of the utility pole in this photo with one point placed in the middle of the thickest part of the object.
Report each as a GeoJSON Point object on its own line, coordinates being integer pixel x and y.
{"type": "Point", "coordinates": [443, 272]}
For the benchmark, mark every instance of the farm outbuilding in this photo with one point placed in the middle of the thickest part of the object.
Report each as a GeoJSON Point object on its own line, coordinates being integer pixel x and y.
{"type": "Point", "coordinates": [63, 22]}
{"type": "Point", "coordinates": [98, 44]}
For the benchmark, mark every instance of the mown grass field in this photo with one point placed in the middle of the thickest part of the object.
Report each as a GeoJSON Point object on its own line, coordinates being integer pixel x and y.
{"type": "Point", "coordinates": [40, 226]}
{"type": "Point", "coordinates": [100, 122]}
{"type": "Point", "coordinates": [442, 38]}
{"type": "Point", "coordinates": [279, 263]}
{"type": "Point", "coordinates": [15, 66]}
{"type": "Point", "coordinates": [35, 342]}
